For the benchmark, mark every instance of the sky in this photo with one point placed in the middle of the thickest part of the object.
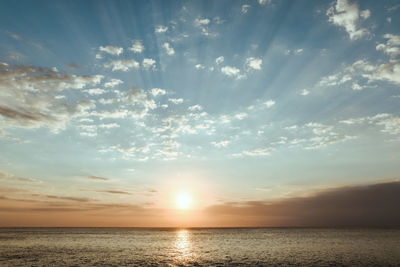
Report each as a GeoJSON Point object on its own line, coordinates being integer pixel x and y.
{"type": "Point", "coordinates": [258, 113]}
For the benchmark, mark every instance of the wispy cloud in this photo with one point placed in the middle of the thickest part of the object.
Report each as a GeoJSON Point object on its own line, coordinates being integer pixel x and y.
{"type": "Point", "coordinates": [161, 29]}
{"type": "Point", "coordinates": [123, 65]}
{"type": "Point", "coordinates": [112, 50]}
{"type": "Point", "coordinates": [348, 15]}
{"type": "Point", "coordinates": [98, 178]}
{"type": "Point", "coordinates": [169, 49]}
{"type": "Point", "coordinates": [137, 46]}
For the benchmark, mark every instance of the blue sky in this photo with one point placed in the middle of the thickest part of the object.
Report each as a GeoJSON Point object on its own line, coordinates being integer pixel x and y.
{"type": "Point", "coordinates": [125, 101]}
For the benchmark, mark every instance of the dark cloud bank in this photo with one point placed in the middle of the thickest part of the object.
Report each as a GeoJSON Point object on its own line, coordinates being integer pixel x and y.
{"type": "Point", "coordinates": [370, 205]}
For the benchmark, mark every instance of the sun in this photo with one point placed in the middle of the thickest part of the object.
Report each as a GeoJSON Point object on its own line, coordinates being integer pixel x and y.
{"type": "Point", "coordinates": [183, 200]}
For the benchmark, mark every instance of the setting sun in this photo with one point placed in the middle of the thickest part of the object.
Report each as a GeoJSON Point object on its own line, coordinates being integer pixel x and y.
{"type": "Point", "coordinates": [183, 200]}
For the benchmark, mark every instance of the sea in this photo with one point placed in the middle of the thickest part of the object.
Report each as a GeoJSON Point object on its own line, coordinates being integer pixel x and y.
{"type": "Point", "coordinates": [199, 247]}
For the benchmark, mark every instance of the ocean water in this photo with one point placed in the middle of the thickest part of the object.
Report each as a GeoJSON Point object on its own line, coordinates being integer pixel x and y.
{"type": "Point", "coordinates": [199, 247]}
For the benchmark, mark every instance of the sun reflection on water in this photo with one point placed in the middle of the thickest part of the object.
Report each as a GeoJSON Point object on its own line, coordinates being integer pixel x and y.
{"type": "Point", "coordinates": [183, 245]}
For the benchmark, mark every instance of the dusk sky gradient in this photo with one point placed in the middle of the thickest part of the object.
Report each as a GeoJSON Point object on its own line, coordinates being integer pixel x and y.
{"type": "Point", "coordinates": [109, 108]}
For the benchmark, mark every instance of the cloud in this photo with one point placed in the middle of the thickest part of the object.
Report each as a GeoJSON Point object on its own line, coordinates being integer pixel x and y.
{"type": "Point", "coordinates": [348, 15]}
{"type": "Point", "coordinates": [73, 66]}
{"type": "Point", "coordinates": [362, 69]}
{"type": "Point", "coordinates": [168, 48]}
{"type": "Point", "coordinates": [161, 29]}
{"type": "Point", "coordinates": [98, 178]}
{"type": "Point", "coordinates": [269, 103]}
{"type": "Point", "coordinates": [77, 199]}
{"type": "Point", "coordinates": [201, 22]}
{"type": "Point", "coordinates": [245, 8]}
{"type": "Point", "coordinates": [195, 108]}
{"type": "Point", "coordinates": [109, 125]}
{"type": "Point", "coordinates": [199, 67]}
{"type": "Point", "coordinates": [363, 205]}
{"type": "Point", "coordinates": [113, 83]}
{"type": "Point", "coordinates": [304, 92]}
{"type": "Point", "coordinates": [123, 65]}
{"type": "Point", "coordinates": [157, 91]}
{"type": "Point", "coordinates": [232, 72]}
{"type": "Point", "coordinates": [149, 63]}
{"type": "Point", "coordinates": [264, 2]}
{"type": "Point", "coordinates": [390, 123]}
{"type": "Point", "coordinates": [14, 36]}
{"type": "Point", "coordinates": [254, 63]}
{"type": "Point", "coordinates": [112, 50]}
{"type": "Point", "coordinates": [137, 46]}
{"type": "Point", "coordinates": [14, 178]}
{"type": "Point", "coordinates": [176, 101]}
{"type": "Point", "coordinates": [223, 143]}
{"type": "Point", "coordinates": [257, 152]}
{"type": "Point", "coordinates": [203, 25]}
{"type": "Point", "coordinates": [392, 46]}
{"type": "Point", "coordinates": [96, 91]}
{"type": "Point", "coordinates": [118, 192]}
{"type": "Point", "coordinates": [29, 96]}
{"type": "Point", "coordinates": [296, 52]}
{"type": "Point", "coordinates": [299, 51]}
{"type": "Point", "coordinates": [219, 60]}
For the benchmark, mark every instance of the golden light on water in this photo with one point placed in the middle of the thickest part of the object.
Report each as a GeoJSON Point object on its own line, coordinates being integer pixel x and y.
{"type": "Point", "coordinates": [183, 246]}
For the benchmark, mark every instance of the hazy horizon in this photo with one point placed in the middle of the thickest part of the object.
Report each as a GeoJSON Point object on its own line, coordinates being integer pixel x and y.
{"type": "Point", "coordinates": [253, 113]}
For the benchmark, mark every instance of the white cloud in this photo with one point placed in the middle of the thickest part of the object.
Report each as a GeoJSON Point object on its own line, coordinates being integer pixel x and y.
{"type": "Point", "coordinates": [257, 152]}
{"type": "Point", "coordinates": [157, 91]}
{"type": "Point", "coordinates": [264, 2]}
{"type": "Point", "coordinates": [169, 49]}
{"type": "Point", "coordinates": [160, 29]}
{"type": "Point", "coordinates": [107, 101]}
{"type": "Point", "coordinates": [199, 67]}
{"type": "Point", "coordinates": [299, 51]}
{"type": "Point", "coordinates": [137, 46]}
{"type": "Point", "coordinates": [219, 60]}
{"type": "Point", "coordinates": [149, 63]}
{"type": "Point", "coordinates": [269, 103]}
{"type": "Point", "coordinates": [357, 87]}
{"type": "Point", "coordinates": [113, 83]}
{"type": "Point", "coordinates": [195, 108]}
{"type": "Point", "coordinates": [201, 22]}
{"type": "Point", "coordinates": [347, 15]}
{"type": "Point", "coordinates": [112, 50]}
{"type": "Point", "coordinates": [116, 114]}
{"type": "Point", "coordinates": [241, 116]}
{"type": "Point", "coordinates": [88, 134]}
{"type": "Point", "coordinates": [304, 92]}
{"type": "Point", "coordinates": [123, 65]}
{"type": "Point", "coordinates": [96, 91]}
{"type": "Point", "coordinates": [223, 143]}
{"type": "Point", "coordinates": [245, 8]}
{"type": "Point", "coordinates": [232, 72]}
{"type": "Point", "coordinates": [390, 123]}
{"type": "Point", "coordinates": [391, 47]}
{"type": "Point", "coordinates": [109, 125]}
{"type": "Point", "coordinates": [176, 101]}
{"type": "Point", "coordinates": [365, 14]}
{"type": "Point", "coordinates": [254, 63]}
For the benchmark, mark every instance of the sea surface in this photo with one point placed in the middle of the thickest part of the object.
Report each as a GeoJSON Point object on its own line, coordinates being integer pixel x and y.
{"type": "Point", "coordinates": [199, 247]}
